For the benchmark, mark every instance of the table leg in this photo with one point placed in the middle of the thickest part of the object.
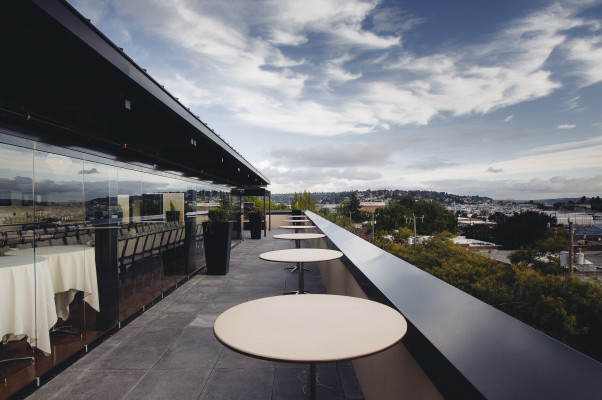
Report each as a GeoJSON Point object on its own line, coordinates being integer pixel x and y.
{"type": "Point", "coordinates": [297, 246]}
{"type": "Point", "coordinates": [311, 380]}
{"type": "Point", "coordinates": [301, 280]}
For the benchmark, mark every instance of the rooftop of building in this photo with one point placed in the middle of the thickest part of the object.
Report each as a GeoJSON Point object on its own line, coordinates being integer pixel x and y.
{"type": "Point", "coordinates": [170, 352]}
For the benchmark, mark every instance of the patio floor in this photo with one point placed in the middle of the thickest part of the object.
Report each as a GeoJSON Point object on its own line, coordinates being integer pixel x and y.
{"type": "Point", "coordinates": [170, 352]}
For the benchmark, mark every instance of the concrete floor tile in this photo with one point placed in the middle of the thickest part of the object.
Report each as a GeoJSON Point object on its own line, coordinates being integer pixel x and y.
{"type": "Point", "coordinates": [105, 385]}
{"type": "Point", "coordinates": [161, 385]}
{"type": "Point", "coordinates": [239, 383]}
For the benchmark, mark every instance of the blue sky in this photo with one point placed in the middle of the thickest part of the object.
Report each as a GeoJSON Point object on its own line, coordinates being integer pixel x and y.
{"type": "Point", "coordinates": [495, 98]}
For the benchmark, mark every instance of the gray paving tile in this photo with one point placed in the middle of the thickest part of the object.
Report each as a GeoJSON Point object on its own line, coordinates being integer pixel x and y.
{"type": "Point", "coordinates": [162, 384]}
{"type": "Point", "coordinates": [204, 320]}
{"type": "Point", "coordinates": [54, 388]}
{"type": "Point", "coordinates": [351, 386]}
{"type": "Point", "coordinates": [105, 385]}
{"type": "Point", "coordinates": [153, 336]}
{"type": "Point", "coordinates": [130, 357]}
{"type": "Point", "coordinates": [239, 383]}
{"type": "Point", "coordinates": [291, 383]}
{"type": "Point", "coordinates": [231, 359]}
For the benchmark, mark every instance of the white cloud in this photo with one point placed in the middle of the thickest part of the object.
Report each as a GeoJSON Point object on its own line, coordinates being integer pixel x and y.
{"type": "Point", "coordinates": [509, 118]}
{"type": "Point", "coordinates": [328, 154]}
{"type": "Point", "coordinates": [587, 52]}
{"type": "Point", "coordinates": [495, 170]}
{"type": "Point", "coordinates": [566, 126]}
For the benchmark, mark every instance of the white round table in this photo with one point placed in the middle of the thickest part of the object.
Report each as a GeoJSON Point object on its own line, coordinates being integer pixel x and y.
{"type": "Point", "coordinates": [296, 221]}
{"type": "Point", "coordinates": [312, 328]}
{"type": "Point", "coordinates": [297, 227]}
{"type": "Point", "coordinates": [301, 256]}
{"type": "Point", "coordinates": [27, 304]}
{"type": "Point", "coordinates": [72, 268]}
{"type": "Point", "coordinates": [297, 237]}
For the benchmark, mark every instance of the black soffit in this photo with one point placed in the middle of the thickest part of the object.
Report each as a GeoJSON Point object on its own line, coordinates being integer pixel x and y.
{"type": "Point", "coordinates": [64, 83]}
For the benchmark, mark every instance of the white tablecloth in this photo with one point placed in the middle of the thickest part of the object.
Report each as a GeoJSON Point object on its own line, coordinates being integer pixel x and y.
{"type": "Point", "coordinates": [27, 304]}
{"type": "Point", "coordinates": [72, 269]}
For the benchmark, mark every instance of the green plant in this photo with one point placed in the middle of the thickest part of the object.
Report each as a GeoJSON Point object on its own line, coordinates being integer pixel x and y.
{"type": "Point", "coordinates": [219, 215]}
{"type": "Point", "coordinates": [256, 210]}
{"type": "Point", "coordinates": [171, 206]}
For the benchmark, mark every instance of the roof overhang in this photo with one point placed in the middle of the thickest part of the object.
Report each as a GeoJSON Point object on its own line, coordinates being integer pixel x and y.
{"type": "Point", "coordinates": [65, 83]}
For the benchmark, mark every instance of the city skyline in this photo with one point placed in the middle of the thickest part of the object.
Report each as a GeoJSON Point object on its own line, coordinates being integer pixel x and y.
{"type": "Point", "coordinates": [497, 100]}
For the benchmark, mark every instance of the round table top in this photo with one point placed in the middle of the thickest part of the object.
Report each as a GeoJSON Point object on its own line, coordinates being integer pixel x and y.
{"type": "Point", "coordinates": [49, 250]}
{"type": "Point", "coordinates": [16, 261]}
{"type": "Point", "coordinates": [298, 216]}
{"type": "Point", "coordinates": [295, 220]}
{"type": "Point", "coordinates": [310, 328]}
{"type": "Point", "coordinates": [301, 255]}
{"type": "Point", "coordinates": [297, 227]}
{"type": "Point", "coordinates": [299, 236]}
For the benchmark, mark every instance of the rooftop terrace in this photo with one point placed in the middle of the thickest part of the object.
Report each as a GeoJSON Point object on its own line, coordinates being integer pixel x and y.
{"type": "Point", "coordinates": [170, 352]}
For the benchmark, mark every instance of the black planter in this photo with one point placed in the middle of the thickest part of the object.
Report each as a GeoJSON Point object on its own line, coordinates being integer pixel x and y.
{"type": "Point", "coordinates": [296, 212]}
{"type": "Point", "coordinates": [172, 216]}
{"type": "Point", "coordinates": [255, 225]}
{"type": "Point", "coordinates": [217, 237]}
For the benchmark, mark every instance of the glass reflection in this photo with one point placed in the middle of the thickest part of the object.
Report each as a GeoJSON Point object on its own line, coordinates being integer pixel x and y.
{"type": "Point", "coordinates": [18, 338]}
{"type": "Point", "coordinates": [117, 237]}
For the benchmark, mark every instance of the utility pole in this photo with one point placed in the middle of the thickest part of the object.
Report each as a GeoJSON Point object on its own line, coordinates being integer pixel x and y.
{"type": "Point", "coordinates": [421, 220]}
{"type": "Point", "coordinates": [570, 247]}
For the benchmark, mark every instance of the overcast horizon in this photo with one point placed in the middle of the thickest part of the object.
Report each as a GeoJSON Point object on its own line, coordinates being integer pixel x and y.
{"type": "Point", "coordinates": [497, 99]}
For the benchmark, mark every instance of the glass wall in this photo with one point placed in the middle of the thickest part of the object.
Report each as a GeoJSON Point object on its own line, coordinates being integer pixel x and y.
{"type": "Point", "coordinates": [85, 244]}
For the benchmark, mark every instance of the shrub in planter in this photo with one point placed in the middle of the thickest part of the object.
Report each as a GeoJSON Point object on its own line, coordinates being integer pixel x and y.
{"type": "Point", "coordinates": [217, 236]}
{"type": "Point", "coordinates": [255, 222]}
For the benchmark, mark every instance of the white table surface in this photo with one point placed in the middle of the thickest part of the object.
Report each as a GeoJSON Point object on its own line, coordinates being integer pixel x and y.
{"type": "Point", "coordinates": [297, 227]}
{"type": "Point", "coordinates": [27, 304]}
{"type": "Point", "coordinates": [295, 220]}
{"type": "Point", "coordinates": [310, 328]}
{"type": "Point", "coordinates": [299, 236]}
{"type": "Point", "coordinates": [301, 255]}
{"type": "Point", "coordinates": [298, 216]}
{"type": "Point", "coordinates": [72, 269]}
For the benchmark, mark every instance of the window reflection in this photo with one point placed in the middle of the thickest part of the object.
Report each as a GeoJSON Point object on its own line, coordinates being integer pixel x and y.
{"type": "Point", "coordinates": [127, 235]}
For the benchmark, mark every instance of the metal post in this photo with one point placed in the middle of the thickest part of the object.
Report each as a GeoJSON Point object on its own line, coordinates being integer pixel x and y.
{"type": "Point", "coordinates": [311, 380]}
{"type": "Point", "coordinates": [570, 247]}
{"type": "Point", "coordinates": [301, 280]}
{"type": "Point", "coordinates": [415, 239]}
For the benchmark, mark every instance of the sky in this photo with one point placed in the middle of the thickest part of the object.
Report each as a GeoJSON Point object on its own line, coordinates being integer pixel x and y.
{"type": "Point", "coordinates": [475, 97]}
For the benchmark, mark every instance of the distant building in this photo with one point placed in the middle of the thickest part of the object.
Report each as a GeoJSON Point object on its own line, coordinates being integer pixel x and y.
{"type": "Point", "coordinates": [475, 244]}
{"type": "Point", "coordinates": [474, 221]}
{"type": "Point", "coordinates": [371, 206]}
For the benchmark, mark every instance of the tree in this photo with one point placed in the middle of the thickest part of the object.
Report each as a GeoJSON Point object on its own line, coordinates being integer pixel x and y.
{"type": "Point", "coordinates": [522, 229]}
{"type": "Point", "coordinates": [596, 203]}
{"type": "Point", "coordinates": [303, 201]}
{"type": "Point", "coordinates": [354, 208]}
{"type": "Point", "coordinates": [401, 214]}
{"type": "Point", "coordinates": [566, 308]}
{"type": "Point", "coordinates": [479, 232]}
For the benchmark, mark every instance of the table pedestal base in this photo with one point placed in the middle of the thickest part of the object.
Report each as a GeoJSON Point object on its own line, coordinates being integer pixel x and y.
{"type": "Point", "coordinates": [311, 380]}
{"type": "Point", "coordinates": [301, 280]}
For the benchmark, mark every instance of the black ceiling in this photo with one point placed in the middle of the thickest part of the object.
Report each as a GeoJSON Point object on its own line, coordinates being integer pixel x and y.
{"type": "Point", "coordinates": [64, 83]}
